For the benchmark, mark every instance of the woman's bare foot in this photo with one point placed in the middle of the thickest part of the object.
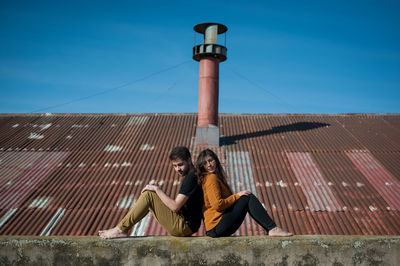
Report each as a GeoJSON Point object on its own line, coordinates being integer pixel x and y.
{"type": "Point", "coordinates": [279, 232]}
{"type": "Point", "coordinates": [112, 233]}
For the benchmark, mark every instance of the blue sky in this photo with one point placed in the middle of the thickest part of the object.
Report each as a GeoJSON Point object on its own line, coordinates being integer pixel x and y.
{"type": "Point", "coordinates": [136, 56]}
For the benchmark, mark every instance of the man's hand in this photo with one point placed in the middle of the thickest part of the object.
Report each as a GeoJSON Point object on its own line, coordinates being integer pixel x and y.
{"type": "Point", "coordinates": [150, 188]}
{"type": "Point", "coordinates": [173, 204]}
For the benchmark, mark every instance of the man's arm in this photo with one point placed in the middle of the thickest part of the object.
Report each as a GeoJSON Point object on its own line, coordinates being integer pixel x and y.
{"type": "Point", "coordinates": [173, 204]}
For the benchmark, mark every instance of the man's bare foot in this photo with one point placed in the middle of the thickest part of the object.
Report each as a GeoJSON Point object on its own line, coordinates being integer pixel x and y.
{"type": "Point", "coordinates": [279, 232]}
{"type": "Point", "coordinates": [112, 233]}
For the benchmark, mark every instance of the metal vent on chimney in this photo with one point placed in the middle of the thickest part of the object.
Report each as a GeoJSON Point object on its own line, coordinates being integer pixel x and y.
{"type": "Point", "coordinates": [209, 54]}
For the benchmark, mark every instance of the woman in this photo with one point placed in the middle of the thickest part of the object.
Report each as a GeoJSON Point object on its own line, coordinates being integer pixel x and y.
{"type": "Point", "coordinates": [224, 211]}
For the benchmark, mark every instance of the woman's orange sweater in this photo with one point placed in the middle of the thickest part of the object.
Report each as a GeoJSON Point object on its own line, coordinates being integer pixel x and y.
{"type": "Point", "coordinates": [217, 198]}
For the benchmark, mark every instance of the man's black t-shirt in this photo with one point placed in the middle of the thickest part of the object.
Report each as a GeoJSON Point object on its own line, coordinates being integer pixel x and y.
{"type": "Point", "coordinates": [192, 210]}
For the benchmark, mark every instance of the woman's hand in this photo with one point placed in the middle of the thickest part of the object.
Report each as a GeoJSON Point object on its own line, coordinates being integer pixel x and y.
{"type": "Point", "coordinates": [244, 193]}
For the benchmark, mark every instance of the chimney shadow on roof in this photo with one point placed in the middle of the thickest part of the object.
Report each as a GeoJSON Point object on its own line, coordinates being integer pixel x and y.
{"type": "Point", "coordinates": [299, 126]}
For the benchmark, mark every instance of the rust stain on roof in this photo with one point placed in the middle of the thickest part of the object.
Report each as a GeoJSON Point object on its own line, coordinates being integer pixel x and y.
{"type": "Point", "coordinates": [315, 174]}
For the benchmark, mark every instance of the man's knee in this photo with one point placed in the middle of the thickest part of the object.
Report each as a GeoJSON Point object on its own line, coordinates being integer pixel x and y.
{"type": "Point", "coordinates": [148, 194]}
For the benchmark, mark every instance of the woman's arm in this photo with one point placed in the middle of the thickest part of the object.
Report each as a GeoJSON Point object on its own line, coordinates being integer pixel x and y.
{"type": "Point", "coordinates": [212, 187]}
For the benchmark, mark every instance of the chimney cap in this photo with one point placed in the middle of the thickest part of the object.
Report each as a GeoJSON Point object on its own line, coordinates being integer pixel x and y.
{"type": "Point", "coordinates": [201, 28]}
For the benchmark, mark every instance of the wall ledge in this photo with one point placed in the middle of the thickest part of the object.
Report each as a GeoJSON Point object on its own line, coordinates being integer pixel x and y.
{"type": "Point", "coordinates": [165, 250]}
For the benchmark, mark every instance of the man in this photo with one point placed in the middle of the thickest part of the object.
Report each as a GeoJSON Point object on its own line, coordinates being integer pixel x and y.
{"type": "Point", "coordinates": [180, 216]}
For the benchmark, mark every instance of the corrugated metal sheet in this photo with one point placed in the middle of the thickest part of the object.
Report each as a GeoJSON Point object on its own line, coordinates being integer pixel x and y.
{"type": "Point", "coordinates": [314, 186]}
{"type": "Point", "coordinates": [382, 180]}
{"type": "Point", "coordinates": [315, 174]}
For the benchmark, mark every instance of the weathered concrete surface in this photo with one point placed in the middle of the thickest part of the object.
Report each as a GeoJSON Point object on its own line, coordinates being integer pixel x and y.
{"type": "Point", "coordinates": [298, 250]}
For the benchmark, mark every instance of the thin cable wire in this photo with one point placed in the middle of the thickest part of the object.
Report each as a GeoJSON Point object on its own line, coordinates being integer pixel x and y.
{"type": "Point", "coordinates": [156, 100]}
{"type": "Point", "coordinates": [262, 88]}
{"type": "Point", "coordinates": [112, 89]}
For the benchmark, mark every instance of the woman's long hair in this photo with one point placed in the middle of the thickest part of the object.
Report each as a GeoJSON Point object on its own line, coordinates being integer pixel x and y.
{"type": "Point", "coordinates": [201, 172]}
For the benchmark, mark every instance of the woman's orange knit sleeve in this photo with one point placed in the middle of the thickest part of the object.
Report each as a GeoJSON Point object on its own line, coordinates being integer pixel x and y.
{"type": "Point", "coordinates": [213, 188]}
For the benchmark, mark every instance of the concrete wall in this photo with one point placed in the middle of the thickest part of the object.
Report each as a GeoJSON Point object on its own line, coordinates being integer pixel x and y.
{"type": "Point", "coordinates": [298, 250]}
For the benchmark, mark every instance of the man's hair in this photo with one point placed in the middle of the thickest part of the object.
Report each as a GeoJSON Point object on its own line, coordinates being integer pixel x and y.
{"type": "Point", "coordinates": [181, 153]}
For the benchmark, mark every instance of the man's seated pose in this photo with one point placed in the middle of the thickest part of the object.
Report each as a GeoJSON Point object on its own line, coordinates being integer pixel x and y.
{"type": "Point", "coordinates": [180, 216]}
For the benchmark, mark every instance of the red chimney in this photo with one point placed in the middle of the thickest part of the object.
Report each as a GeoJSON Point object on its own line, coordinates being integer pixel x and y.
{"type": "Point", "coordinates": [209, 54]}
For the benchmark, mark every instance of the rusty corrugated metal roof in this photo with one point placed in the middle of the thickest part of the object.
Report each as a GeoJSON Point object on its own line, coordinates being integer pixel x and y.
{"type": "Point", "coordinates": [74, 174]}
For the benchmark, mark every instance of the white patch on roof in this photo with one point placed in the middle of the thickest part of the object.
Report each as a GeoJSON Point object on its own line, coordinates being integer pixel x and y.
{"type": "Point", "coordinates": [79, 126]}
{"type": "Point", "coordinates": [113, 125]}
{"type": "Point", "coordinates": [388, 208]}
{"type": "Point", "coordinates": [268, 184]}
{"type": "Point", "coordinates": [140, 227]}
{"type": "Point", "coordinates": [330, 184]}
{"type": "Point", "coordinates": [388, 184]}
{"type": "Point", "coordinates": [137, 183]}
{"type": "Point", "coordinates": [152, 182]}
{"type": "Point", "coordinates": [344, 208]}
{"type": "Point", "coordinates": [40, 202]}
{"type": "Point", "coordinates": [53, 222]}
{"type": "Point", "coordinates": [372, 208]}
{"type": "Point", "coordinates": [258, 184]}
{"type": "Point", "coordinates": [69, 137]}
{"type": "Point", "coordinates": [290, 207]}
{"type": "Point", "coordinates": [126, 164]}
{"type": "Point", "coordinates": [16, 125]}
{"type": "Point", "coordinates": [137, 120]}
{"type": "Point", "coordinates": [281, 184]}
{"type": "Point", "coordinates": [161, 183]}
{"type": "Point", "coordinates": [35, 136]}
{"type": "Point", "coordinates": [128, 183]}
{"type": "Point", "coordinates": [82, 165]}
{"type": "Point", "coordinates": [344, 184]}
{"type": "Point", "coordinates": [146, 147]}
{"type": "Point", "coordinates": [116, 165]}
{"type": "Point", "coordinates": [176, 182]}
{"type": "Point", "coordinates": [240, 171]}
{"type": "Point", "coordinates": [356, 208]}
{"type": "Point", "coordinates": [44, 126]}
{"type": "Point", "coordinates": [360, 184]}
{"type": "Point", "coordinates": [126, 202]}
{"type": "Point", "coordinates": [296, 183]}
{"type": "Point", "coordinates": [112, 148]}
{"type": "Point", "coordinates": [7, 216]}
